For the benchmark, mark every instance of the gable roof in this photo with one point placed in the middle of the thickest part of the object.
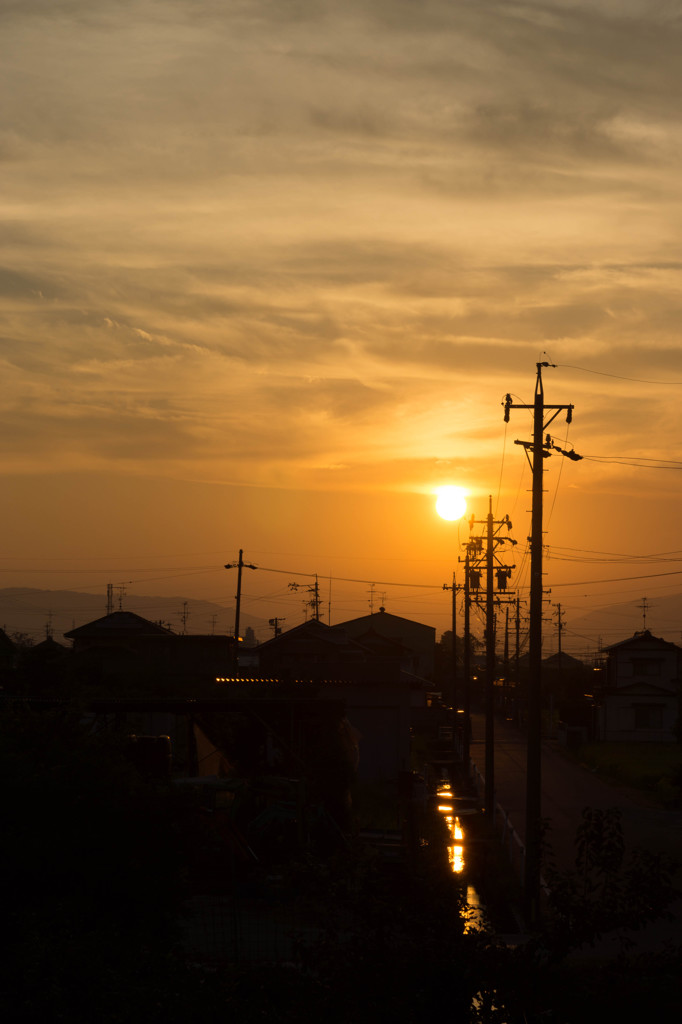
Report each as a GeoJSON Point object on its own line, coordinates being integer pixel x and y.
{"type": "Point", "coordinates": [118, 624]}
{"type": "Point", "coordinates": [382, 617]}
{"type": "Point", "coordinates": [643, 639]}
{"type": "Point", "coordinates": [311, 632]}
{"type": "Point", "coordinates": [563, 660]}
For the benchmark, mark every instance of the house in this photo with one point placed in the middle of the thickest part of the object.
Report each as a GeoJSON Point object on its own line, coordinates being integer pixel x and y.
{"type": "Point", "coordinates": [43, 667]}
{"type": "Point", "coordinates": [125, 653]}
{"type": "Point", "coordinates": [378, 694]}
{"type": "Point", "coordinates": [640, 694]}
{"type": "Point", "coordinates": [312, 651]}
{"type": "Point", "coordinates": [412, 643]}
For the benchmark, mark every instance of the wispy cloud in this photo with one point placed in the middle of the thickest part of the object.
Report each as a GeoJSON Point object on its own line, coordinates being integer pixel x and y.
{"type": "Point", "coordinates": [330, 235]}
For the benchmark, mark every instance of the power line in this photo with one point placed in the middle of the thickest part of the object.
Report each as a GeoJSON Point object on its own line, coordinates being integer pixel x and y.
{"type": "Point", "coordinates": [617, 554]}
{"type": "Point", "coordinates": [619, 579]}
{"type": "Point", "coordinates": [635, 461]}
{"type": "Point", "coordinates": [347, 579]}
{"type": "Point", "coordinates": [617, 376]}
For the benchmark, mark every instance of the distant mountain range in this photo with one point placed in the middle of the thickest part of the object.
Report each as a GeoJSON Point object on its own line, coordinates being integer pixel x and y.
{"type": "Point", "coordinates": [36, 612]}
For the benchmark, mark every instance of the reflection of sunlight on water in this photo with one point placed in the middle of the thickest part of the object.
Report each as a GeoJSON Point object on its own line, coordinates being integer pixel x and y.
{"type": "Point", "coordinates": [476, 915]}
{"type": "Point", "coordinates": [456, 846]}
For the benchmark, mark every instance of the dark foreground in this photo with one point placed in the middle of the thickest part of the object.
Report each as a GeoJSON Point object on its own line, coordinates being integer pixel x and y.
{"type": "Point", "coordinates": [100, 866]}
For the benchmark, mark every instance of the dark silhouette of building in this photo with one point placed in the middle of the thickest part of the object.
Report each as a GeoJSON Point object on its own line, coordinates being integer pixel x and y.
{"type": "Point", "coordinates": [639, 696]}
{"type": "Point", "coordinates": [380, 696]}
{"type": "Point", "coordinates": [124, 653]}
{"type": "Point", "coordinates": [412, 642]}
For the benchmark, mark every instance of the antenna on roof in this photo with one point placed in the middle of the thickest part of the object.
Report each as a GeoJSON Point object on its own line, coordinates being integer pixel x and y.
{"type": "Point", "coordinates": [110, 598]}
{"type": "Point", "coordinates": [644, 606]}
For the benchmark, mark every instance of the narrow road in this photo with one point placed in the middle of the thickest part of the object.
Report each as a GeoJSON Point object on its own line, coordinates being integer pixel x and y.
{"type": "Point", "coordinates": [567, 788]}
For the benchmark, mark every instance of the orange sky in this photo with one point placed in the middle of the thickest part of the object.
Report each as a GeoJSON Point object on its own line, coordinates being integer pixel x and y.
{"type": "Point", "coordinates": [269, 269]}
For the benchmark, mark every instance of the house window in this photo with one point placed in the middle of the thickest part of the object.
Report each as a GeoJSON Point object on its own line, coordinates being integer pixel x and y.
{"type": "Point", "coordinates": [648, 716]}
{"type": "Point", "coordinates": [647, 666]}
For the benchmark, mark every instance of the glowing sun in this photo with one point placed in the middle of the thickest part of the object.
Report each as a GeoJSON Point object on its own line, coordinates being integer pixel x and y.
{"type": "Point", "coordinates": [451, 502]}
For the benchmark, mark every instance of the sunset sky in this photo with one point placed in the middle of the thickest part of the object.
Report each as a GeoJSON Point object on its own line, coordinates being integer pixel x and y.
{"type": "Point", "coordinates": [269, 268]}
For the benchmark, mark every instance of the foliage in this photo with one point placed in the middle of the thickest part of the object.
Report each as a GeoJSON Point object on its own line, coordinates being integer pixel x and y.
{"type": "Point", "coordinates": [608, 891]}
{"type": "Point", "coordinates": [391, 942]}
{"type": "Point", "coordinates": [22, 640]}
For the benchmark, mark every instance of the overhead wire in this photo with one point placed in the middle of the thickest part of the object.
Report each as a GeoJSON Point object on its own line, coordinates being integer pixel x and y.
{"type": "Point", "coordinates": [561, 468]}
{"type": "Point", "coordinates": [635, 461]}
{"type": "Point", "coordinates": [499, 485]}
{"type": "Point", "coordinates": [619, 579]}
{"type": "Point", "coordinates": [618, 376]}
{"type": "Point", "coordinates": [348, 579]}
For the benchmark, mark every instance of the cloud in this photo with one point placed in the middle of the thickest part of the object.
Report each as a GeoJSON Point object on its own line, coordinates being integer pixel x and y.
{"type": "Point", "coordinates": [323, 242]}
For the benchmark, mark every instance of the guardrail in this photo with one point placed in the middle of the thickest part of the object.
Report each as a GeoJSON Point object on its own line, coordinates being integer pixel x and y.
{"type": "Point", "coordinates": [510, 839]}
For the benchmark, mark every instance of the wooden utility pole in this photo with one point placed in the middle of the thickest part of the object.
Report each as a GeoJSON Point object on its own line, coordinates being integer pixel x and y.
{"type": "Point", "coordinates": [537, 451]}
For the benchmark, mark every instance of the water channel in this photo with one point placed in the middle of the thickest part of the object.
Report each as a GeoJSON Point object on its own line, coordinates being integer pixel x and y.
{"type": "Point", "coordinates": [457, 850]}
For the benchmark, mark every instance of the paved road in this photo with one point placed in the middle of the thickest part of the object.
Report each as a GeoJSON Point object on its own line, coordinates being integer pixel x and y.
{"type": "Point", "coordinates": [567, 788]}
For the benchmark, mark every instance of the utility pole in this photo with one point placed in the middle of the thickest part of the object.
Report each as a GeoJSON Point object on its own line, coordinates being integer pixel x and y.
{"type": "Point", "coordinates": [466, 667]}
{"type": "Point", "coordinates": [559, 628]}
{"type": "Point", "coordinates": [239, 565]}
{"type": "Point", "coordinates": [489, 671]}
{"type": "Point", "coordinates": [275, 623]}
{"type": "Point", "coordinates": [559, 678]}
{"type": "Point", "coordinates": [517, 658]}
{"type": "Point", "coordinates": [453, 677]}
{"type": "Point", "coordinates": [315, 601]}
{"type": "Point", "coordinates": [540, 449]}
{"type": "Point", "coordinates": [493, 567]}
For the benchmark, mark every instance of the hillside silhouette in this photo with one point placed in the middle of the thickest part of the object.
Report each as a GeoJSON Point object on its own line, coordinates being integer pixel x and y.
{"type": "Point", "coordinates": [34, 612]}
